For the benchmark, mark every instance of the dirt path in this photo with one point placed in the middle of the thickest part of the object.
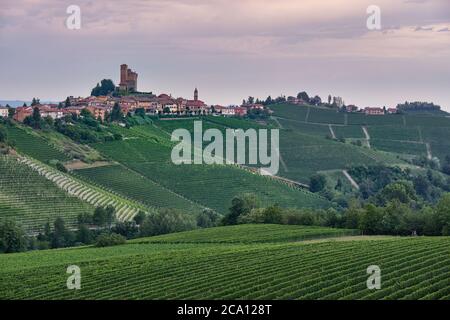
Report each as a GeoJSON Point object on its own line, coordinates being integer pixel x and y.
{"type": "Point", "coordinates": [429, 154]}
{"type": "Point", "coordinates": [77, 165]}
{"type": "Point", "coordinates": [333, 135]}
{"type": "Point", "coordinates": [307, 114]}
{"type": "Point", "coordinates": [366, 133]}
{"type": "Point", "coordinates": [350, 179]}
{"type": "Point", "coordinates": [278, 122]}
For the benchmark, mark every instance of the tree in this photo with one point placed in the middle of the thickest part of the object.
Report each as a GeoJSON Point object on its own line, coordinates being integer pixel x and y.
{"type": "Point", "coordinates": [443, 214]}
{"type": "Point", "coordinates": [317, 183]}
{"type": "Point", "coordinates": [12, 238]}
{"type": "Point", "coordinates": [61, 237]}
{"type": "Point", "coordinates": [106, 87]}
{"type": "Point", "coordinates": [370, 220]}
{"type": "Point", "coordinates": [207, 219]}
{"type": "Point", "coordinates": [35, 102]}
{"type": "Point", "coordinates": [11, 112]}
{"type": "Point", "coordinates": [167, 221]}
{"type": "Point", "coordinates": [84, 235]}
{"type": "Point", "coordinates": [116, 113]}
{"type": "Point", "coordinates": [67, 102]}
{"type": "Point", "coordinates": [3, 134]}
{"type": "Point", "coordinates": [329, 99]}
{"type": "Point", "coordinates": [139, 218]}
{"type": "Point", "coordinates": [240, 206]}
{"type": "Point", "coordinates": [107, 240]}
{"type": "Point", "coordinates": [100, 217]}
{"type": "Point", "coordinates": [304, 96]}
{"type": "Point", "coordinates": [110, 216]}
{"type": "Point", "coordinates": [401, 190]}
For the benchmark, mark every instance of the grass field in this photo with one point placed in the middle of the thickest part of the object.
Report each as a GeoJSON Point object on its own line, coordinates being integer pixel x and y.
{"type": "Point", "coordinates": [411, 268]}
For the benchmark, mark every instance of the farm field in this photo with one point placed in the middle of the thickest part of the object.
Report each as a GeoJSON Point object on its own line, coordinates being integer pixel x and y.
{"type": "Point", "coordinates": [212, 186]}
{"type": "Point", "coordinates": [256, 233]}
{"type": "Point", "coordinates": [412, 268]}
{"type": "Point", "coordinates": [34, 146]}
{"type": "Point", "coordinates": [32, 200]}
{"type": "Point", "coordinates": [130, 184]}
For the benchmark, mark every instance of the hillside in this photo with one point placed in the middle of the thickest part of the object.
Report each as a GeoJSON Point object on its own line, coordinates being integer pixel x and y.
{"type": "Point", "coordinates": [412, 268]}
{"type": "Point", "coordinates": [31, 199]}
{"type": "Point", "coordinates": [212, 186]}
{"type": "Point", "coordinates": [388, 140]}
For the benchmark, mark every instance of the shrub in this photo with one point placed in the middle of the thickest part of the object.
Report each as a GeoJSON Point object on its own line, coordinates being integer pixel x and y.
{"type": "Point", "coordinates": [109, 239]}
{"type": "Point", "coordinates": [167, 221]}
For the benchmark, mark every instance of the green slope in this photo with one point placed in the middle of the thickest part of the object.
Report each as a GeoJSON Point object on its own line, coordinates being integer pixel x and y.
{"type": "Point", "coordinates": [249, 234]}
{"type": "Point", "coordinates": [32, 200]}
{"type": "Point", "coordinates": [412, 268]}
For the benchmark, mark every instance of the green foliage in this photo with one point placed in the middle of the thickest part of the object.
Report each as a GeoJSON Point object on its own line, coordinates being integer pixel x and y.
{"type": "Point", "coordinates": [166, 221]}
{"type": "Point", "coordinates": [12, 237]}
{"type": "Point", "coordinates": [139, 218]}
{"type": "Point", "coordinates": [106, 87]}
{"type": "Point", "coordinates": [109, 239]}
{"type": "Point", "coordinates": [317, 183]}
{"type": "Point", "coordinates": [116, 113]}
{"type": "Point", "coordinates": [3, 134]}
{"type": "Point", "coordinates": [208, 219]}
{"type": "Point", "coordinates": [240, 206]}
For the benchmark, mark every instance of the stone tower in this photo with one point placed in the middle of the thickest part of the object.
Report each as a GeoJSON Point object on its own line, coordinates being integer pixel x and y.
{"type": "Point", "coordinates": [196, 94]}
{"type": "Point", "coordinates": [128, 79]}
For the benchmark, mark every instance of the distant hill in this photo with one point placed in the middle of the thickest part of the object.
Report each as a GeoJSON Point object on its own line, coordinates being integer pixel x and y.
{"type": "Point", "coordinates": [19, 103]}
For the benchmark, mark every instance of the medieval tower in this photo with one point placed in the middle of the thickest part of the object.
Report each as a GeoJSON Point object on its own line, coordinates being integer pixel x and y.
{"type": "Point", "coordinates": [196, 94]}
{"type": "Point", "coordinates": [128, 79]}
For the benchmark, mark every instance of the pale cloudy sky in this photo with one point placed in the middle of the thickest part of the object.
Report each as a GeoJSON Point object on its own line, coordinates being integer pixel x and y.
{"type": "Point", "coordinates": [230, 48]}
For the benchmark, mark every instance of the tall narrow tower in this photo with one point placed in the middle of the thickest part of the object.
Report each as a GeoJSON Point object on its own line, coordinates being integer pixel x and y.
{"type": "Point", "coordinates": [195, 94]}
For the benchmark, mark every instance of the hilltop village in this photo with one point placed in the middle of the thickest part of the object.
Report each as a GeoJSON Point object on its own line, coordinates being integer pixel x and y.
{"type": "Point", "coordinates": [106, 96]}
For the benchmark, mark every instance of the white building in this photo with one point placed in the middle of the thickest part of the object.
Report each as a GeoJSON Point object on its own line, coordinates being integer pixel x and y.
{"type": "Point", "coordinates": [3, 112]}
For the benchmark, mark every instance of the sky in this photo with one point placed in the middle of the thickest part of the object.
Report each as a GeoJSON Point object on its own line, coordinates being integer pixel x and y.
{"type": "Point", "coordinates": [230, 49]}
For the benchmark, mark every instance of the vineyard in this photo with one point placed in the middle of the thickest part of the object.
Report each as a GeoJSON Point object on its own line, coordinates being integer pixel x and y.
{"type": "Point", "coordinates": [411, 268]}
{"type": "Point", "coordinates": [34, 146]}
{"type": "Point", "coordinates": [32, 200]}
{"type": "Point", "coordinates": [130, 184]}
{"type": "Point", "coordinates": [258, 233]}
{"type": "Point", "coordinates": [212, 186]}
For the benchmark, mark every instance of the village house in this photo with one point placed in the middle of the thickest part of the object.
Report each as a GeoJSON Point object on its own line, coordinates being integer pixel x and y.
{"type": "Point", "coordinates": [392, 111]}
{"type": "Point", "coordinates": [374, 111]}
{"type": "Point", "coordinates": [228, 111]}
{"type": "Point", "coordinates": [351, 108]}
{"type": "Point", "coordinates": [98, 112]}
{"type": "Point", "coordinates": [4, 112]}
{"type": "Point", "coordinates": [295, 100]}
{"type": "Point", "coordinates": [240, 111]}
{"type": "Point", "coordinates": [22, 113]}
{"type": "Point", "coordinates": [51, 111]}
{"type": "Point", "coordinates": [73, 110]}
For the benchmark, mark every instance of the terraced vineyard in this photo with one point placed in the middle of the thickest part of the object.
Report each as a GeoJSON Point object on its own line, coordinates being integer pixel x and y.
{"type": "Point", "coordinates": [137, 187]}
{"type": "Point", "coordinates": [258, 233]}
{"type": "Point", "coordinates": [412, 268]}
{"type": "Point", "coordinates": [32, 200]}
